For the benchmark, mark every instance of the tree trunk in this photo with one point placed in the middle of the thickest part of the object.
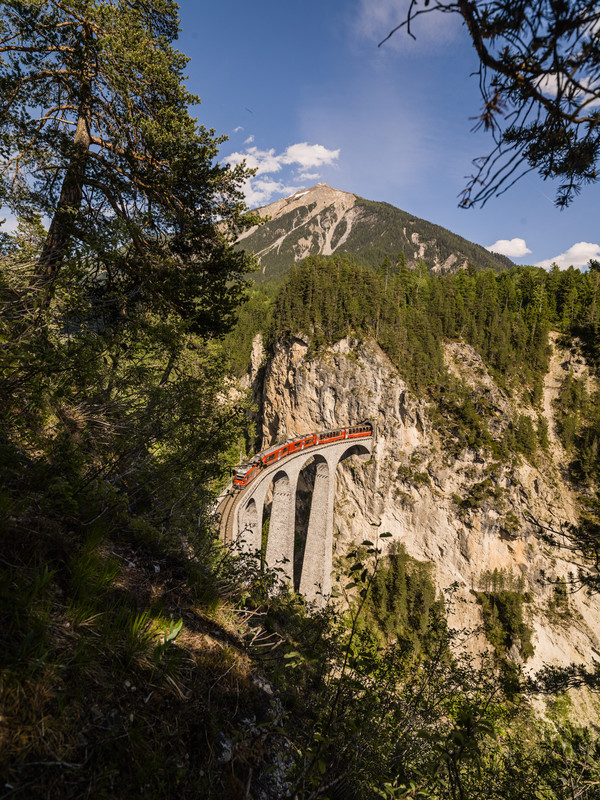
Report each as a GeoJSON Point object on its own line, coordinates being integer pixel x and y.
{"type": "Point", "coordinates": [71, 193]}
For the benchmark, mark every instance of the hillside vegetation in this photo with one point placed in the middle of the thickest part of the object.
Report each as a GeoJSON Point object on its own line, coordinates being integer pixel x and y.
{"type": "Point", "coordinates": [505, 316]}
{"type": "Point", "coordinates": [140, 659]}
{"type": "Point", "coordinates": [392, 231]}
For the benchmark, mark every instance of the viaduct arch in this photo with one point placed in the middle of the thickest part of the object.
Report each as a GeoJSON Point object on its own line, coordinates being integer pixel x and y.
{"type": "Point", "coordinates": [241, 513]}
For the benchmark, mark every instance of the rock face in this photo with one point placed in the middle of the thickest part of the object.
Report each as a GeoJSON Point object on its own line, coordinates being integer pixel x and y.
{"type": "Point", "coordinates": [323, 221]}
{"type": "Point", "coordinates": [416, 490]}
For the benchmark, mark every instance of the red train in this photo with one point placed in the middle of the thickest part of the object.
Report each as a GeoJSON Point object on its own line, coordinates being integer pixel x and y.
{"type": "Point", "coordinates": [246, 472]}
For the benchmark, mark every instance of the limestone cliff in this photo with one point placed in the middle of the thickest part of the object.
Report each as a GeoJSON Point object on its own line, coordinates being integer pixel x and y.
{"type": "Point", "coordinates": [416, 489]}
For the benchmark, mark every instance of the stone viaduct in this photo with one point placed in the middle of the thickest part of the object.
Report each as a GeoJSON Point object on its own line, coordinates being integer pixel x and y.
{"type": "Point", "coordinates": [241, 513]}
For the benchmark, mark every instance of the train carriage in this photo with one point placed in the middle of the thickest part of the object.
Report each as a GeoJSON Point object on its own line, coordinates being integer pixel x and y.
{"type": "Point", "coordinates": [245, 473]}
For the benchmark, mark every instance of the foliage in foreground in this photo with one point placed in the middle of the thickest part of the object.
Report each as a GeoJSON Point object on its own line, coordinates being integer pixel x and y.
{"type": "Point", "coordinates": [523, 49]}
{"type": "Point", "coordinates": [114, 405]}
{"type": "Point", "coordinates": [119, 668]}
{"type": "Point", "coordinates": [132, 667]}
{"type": "Point", "coordinates": [115, 418]}
{"type": "Point", "coordinates": [413, 718]}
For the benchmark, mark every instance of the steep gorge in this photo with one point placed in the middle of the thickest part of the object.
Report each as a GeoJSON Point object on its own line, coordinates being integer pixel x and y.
{"type": "Point", "coordinates": [456, 506]}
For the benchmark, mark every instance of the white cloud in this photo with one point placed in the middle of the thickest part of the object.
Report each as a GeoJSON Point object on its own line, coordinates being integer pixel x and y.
{"type": "Point", "coordinates": [309, 155]}
{"type": "Point", "coordinates": [302, 154]}
{"type": "Point", "coordinates": [238, 129]}
{"type": "Point", "coordinates": [260, 192]}
{"type": "Point", "coordinates": [586, 88]}
{"type": "Point", "coordinates": [513, 248]}
{"type": "Point", "coordinates": [588, 95]}
{"type": "Point", "coordinates": [548, 84]}
{"type": "Point", "coordinates": [249, 140]}
{"type": "Point", "coordinates": [263, 161]}
{"type": "Point", "coordinates": [376, 18]}
{"type": "Point", "coordinates": [576, 256]}
{"type": "Point", "coordinates": [297, 158]}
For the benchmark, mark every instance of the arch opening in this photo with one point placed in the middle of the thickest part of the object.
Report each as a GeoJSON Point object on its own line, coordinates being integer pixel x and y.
{"type": "Point", "coordinates": [359, 450]}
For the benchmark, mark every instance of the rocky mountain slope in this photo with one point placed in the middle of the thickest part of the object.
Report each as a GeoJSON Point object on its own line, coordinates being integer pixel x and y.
{"type": "Point", "coordinates": [470, 515]}
{"type": "Point", "coordinates": [323, 221]}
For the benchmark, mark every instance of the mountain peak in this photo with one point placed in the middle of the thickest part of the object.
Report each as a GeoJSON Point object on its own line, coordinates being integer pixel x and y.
{"type": "Point", "coordinates": [322, 220]}
{"type": "Point", "coordinates": [321, 193]}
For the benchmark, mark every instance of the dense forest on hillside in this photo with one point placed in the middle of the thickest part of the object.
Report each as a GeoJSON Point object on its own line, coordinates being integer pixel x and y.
{"type": "Point", "coordinates": [505, 316]}
{"type": "Point", "coordinates": [392, 229]}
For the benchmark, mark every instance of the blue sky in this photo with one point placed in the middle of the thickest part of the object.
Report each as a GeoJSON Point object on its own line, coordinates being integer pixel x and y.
{"type": "Point", "coordinates": [304, 93]}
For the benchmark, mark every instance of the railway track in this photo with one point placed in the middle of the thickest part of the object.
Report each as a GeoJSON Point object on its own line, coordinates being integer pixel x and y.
{"type": "Point", "coordinates": [226, 512]}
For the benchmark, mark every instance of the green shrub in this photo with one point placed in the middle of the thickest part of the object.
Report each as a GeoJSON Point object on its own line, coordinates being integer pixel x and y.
{"type": "Point", "coordinates": [503, 621]}
{"type": "Point", "coordinates": [402, 603]}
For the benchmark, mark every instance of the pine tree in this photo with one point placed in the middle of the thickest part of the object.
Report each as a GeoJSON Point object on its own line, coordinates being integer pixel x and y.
{"type": "Point", "coordinates": [96, 134]}
{"type": "Point", "coordinates": [110, 373]}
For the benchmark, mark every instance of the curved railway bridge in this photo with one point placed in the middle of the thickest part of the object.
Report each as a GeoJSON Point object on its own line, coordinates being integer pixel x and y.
{"type": "Point", "coordinates": [241, 506]}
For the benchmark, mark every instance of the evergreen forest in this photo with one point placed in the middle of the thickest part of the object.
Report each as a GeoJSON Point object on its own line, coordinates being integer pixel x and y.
{"type": "Point", "coordinates": [505, 316]}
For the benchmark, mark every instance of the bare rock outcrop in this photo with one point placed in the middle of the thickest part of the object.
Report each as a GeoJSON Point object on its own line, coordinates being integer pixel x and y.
{"type": "Point", "coordinates": [456, 507]}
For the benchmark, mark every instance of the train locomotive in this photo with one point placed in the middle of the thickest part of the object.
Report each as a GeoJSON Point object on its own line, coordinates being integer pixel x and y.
{"type": "Point", "coordinates": [245, 473]}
